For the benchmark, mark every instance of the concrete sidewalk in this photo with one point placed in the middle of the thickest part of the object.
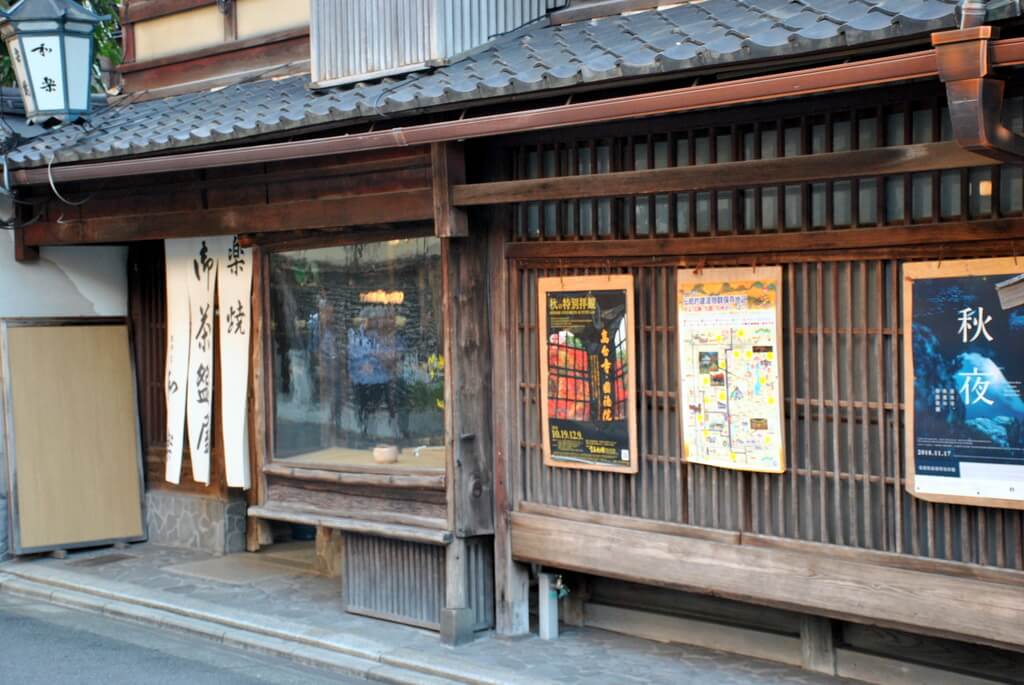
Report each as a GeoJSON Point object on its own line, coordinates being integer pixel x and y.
{"type": "Point", "coordinates": [274, 604]}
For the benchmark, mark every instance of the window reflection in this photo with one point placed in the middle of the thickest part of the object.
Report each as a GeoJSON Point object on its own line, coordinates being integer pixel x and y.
{"type": "Point", "coordinates": [358, 369]}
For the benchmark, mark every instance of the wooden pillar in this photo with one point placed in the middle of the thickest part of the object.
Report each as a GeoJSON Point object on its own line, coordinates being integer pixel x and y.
{"type": "Point", "coordinates": [329, 552]}
{"type": "Point", "coordinates": [257, 531]}
{"type": "Point", "coordinates": [511, 579]}
{"type": "Point", "coordinates": [817, 644]}
{"type": "Point", "coordinates": [456, 615]}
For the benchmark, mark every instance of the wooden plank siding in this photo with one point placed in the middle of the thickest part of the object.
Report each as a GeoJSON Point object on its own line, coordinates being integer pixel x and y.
{"type": "Point", "coordinates": [839, 521]}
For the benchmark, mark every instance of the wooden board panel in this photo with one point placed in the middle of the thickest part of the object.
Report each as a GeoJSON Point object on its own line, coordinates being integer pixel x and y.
{"type": "Point", "coordinates": [930, 603]}
{"type": "Point", "coordinates": [73, 433]}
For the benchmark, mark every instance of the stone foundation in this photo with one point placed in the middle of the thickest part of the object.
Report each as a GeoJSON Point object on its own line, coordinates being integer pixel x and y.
{"type": "Point", "coordinates": [193, 522]}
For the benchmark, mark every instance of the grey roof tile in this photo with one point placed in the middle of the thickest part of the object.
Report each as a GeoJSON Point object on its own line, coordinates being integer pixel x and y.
{"type": "Point", "coordinates": [672, 39]}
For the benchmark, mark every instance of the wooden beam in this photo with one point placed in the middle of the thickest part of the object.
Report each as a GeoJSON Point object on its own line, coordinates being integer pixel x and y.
{"type": "Point", "coordinates": [775, 243]}
{"type": "Point", "coordinates": [353, 525]}
{"type": "Point", "coordinates": [449, 169]}
{"type": "Point", "coordinates": [341, 212]}
{"type": "Point", "coordinates": [881, 161]}
{"type": "Point", "coordinates": [23, 252]}
{"type": "Point", "coordinates": [415, 481]}
{"type": "Point", "coordinates": [930, 603]}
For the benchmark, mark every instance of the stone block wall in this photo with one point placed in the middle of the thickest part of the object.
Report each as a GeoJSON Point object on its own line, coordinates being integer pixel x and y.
{"type": "Point", "coordinates": [194, 522]}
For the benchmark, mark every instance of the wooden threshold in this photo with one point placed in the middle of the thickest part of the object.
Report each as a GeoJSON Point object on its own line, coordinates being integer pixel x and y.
{"type": "Point", "coordinates": [352, 525]}
{"type": "Point", "coordinates": [860, 591]}
{"type": "Point", "coordinates": [882, 161]}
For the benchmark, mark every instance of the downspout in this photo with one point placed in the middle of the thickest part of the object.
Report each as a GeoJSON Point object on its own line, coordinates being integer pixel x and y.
{"type": "Point", "coordinates": [976, 99]}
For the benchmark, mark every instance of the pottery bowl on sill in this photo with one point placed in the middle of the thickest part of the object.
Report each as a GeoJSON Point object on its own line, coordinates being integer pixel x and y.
{"type": "Point", "coordinates": [385, 454]}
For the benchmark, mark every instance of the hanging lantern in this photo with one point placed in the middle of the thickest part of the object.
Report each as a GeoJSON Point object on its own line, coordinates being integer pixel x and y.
{"type": "Point", "coordinates": [51, 47]}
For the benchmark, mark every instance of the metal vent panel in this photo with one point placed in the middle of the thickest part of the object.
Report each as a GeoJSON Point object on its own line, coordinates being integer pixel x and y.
{"type": "Point", "coordinates": [354, 40]}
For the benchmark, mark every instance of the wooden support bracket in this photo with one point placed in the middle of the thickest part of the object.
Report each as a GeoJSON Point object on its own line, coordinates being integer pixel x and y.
{"type": "Point", "coordinates": [976, 99]}
{"type": "Point", "coordinates": [449, 169]}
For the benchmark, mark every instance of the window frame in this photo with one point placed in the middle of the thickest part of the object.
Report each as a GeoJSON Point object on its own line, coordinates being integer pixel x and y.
{"type": "Point", "coordinates": [357, 237]}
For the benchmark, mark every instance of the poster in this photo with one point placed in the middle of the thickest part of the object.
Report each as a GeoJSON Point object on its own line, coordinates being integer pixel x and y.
{"type": "Point", "coordinates": [177, 257]}
{"type": "Point", "coordinates": [729, 368]}
{"type": "Point", "coordinates": [201, 281]}
{"type": "Point", "coordinates": [234, 288]}
{"type": "Point", "coordinates": [963, 381]}
{"type": "Point", "coordinates": [588, 387]}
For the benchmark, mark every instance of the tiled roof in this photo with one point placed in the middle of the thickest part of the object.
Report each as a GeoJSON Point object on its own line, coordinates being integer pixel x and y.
{"type": "Point", "coordinates": [539, 57]}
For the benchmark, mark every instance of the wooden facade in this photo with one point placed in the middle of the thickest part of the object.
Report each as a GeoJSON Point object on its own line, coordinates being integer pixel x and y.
{"type": "Point", "coordinates": [839, 190]}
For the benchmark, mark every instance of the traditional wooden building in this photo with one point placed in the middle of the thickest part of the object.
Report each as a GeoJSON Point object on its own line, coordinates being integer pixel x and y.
{"type": "Point", "coordinates": [403, 214]}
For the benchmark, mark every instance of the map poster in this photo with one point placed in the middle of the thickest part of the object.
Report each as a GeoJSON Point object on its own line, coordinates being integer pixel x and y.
{"type": "Point", "coordinates": [587, 370]}
{"type": "Point", "coordinates": [964, 381]}
{"type": "Point", "coordinates": [729, 368]}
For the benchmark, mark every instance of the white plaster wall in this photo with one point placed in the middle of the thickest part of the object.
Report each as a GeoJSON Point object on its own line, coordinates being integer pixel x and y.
{"type": "Point", "coordinates": [64, 282]}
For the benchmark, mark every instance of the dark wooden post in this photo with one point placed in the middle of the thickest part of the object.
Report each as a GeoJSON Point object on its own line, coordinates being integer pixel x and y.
{"type": "Point", "coordinates": [511, 579]}
{"type": "Point", "coordinates": [449, 168]}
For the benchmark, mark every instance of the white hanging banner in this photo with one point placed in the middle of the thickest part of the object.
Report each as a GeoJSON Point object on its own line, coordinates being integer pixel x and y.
{"type": "Point", "coordinates": [202, 280]}
{"type": "Point", "coordinates": [177, 258]}
{"type": "Point", "coordinates": [234, 287]}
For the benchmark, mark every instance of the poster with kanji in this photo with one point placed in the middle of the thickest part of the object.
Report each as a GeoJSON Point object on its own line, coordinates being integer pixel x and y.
{"type": "Point", "coordinates": [201, 282]}
{"type": "Point", "coordinates": [587, 371]}
{"type": "Point", "coordinates": [729, 368]}
{"type": "Point", "coordinates": [234, 289]}
{"type": "Point", "coordinates": [178, 266]}
{"type": "Point", "coordinates": [963, 327]}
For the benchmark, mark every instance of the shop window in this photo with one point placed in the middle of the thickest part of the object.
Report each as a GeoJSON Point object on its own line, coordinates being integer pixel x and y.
{"type": "Point", "coordinates": [358, 368]}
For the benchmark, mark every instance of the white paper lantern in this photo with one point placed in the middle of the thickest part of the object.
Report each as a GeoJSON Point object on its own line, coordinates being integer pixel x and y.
{"type": "Point", "coordinates": [51, 47]}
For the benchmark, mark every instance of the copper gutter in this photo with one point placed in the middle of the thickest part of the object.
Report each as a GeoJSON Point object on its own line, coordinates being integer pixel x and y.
{"type": "Point", "coordinates": [905, 67]}
{"type": "Point", "coordinates": [975, 99]}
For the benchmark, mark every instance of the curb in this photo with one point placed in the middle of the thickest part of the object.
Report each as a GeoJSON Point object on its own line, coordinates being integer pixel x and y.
{"type": "Point", "coordinates": [369, 661]}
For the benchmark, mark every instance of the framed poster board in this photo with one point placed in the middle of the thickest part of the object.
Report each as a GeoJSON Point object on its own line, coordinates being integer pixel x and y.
{"type": "Point", "coordinates": [587, 371]}
{"type": "Point", "coordinates": [730, 326]}
{"type": "Point", "coordinates": [963, 374]}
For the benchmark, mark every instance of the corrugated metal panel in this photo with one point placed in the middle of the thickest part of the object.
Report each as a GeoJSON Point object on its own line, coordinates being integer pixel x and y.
{"type": "Point", "coordinates": [394, 579]}
{"type": "Point", "coordinates": [405, 581]}
{"type": "Point", "coordinates": [480, 555]}
{"type": "Point", "coordinates": [364, 39]}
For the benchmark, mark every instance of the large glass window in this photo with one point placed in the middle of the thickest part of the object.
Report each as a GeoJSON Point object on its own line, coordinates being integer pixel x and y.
{"type": "Point", "coordinates": [358, 369]}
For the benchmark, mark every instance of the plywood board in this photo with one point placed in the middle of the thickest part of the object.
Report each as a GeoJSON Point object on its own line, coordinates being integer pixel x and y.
{"type": "Point", "coordinates": [73, 435]}
{"type": "Point", "coordinates": [588, 372]}
{"type": "Point", "coordinates": [963, 377]}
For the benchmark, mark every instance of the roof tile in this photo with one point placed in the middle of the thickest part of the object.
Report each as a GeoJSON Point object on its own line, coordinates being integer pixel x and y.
{"type": "Point", "coordinates": [540, 57]}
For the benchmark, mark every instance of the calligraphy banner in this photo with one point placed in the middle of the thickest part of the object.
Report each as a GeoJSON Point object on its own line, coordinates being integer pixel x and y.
{"type": "Point", "coordinates": [729, 368]}
{"type": "Point", "coordinates": [202, 280]}
{"type": "Point", "coordinates": [963, 378]}
{"type": "Point", "coordinates": [178, 261]}
{"type": "Point", "coordinates": [587, 370]}
{"type": "Point", "coordinates": [234, 288]}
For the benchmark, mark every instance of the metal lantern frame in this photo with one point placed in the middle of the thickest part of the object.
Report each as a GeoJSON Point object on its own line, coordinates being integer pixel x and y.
{"type": "Point", "coordinates": [58, 19]}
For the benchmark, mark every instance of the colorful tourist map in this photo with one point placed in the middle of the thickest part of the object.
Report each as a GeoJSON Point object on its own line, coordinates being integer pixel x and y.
{"type": "Point", "coordinates": [729, 368]}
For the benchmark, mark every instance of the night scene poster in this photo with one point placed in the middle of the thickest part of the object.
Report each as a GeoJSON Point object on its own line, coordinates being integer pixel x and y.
{"type": "Point", "coordinates": [966, 434]}
{"type": "Point", "coordinates": [587, 372]}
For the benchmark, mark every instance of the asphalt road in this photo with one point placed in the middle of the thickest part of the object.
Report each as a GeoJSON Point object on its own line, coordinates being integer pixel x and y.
{"type": "Point", "coordinates": [42, 643]}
